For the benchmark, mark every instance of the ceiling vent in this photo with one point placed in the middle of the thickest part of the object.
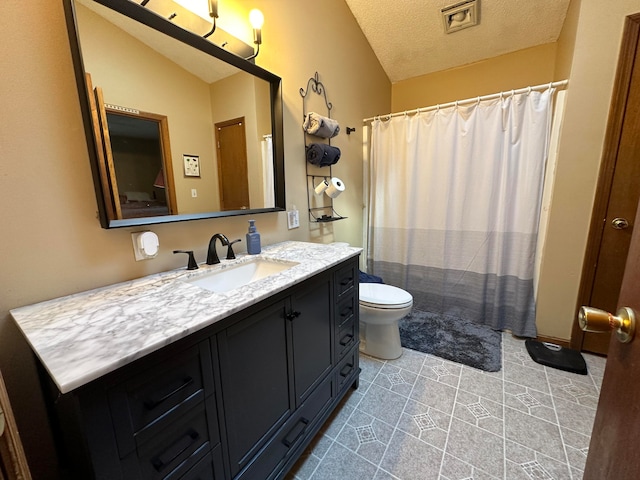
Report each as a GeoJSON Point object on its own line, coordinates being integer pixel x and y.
{"type": "Point", "coordinates": [460, 15]}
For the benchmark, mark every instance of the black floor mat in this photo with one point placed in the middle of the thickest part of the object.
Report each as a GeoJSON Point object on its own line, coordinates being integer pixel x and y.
{"type": "Point", "coordinates": [555, 356]}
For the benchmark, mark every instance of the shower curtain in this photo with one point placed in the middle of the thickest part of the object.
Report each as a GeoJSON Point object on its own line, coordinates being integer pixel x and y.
{"type": "Point", "coordinates": [267, 171]}
{"type": "Point", "coordinates": [454, 203]}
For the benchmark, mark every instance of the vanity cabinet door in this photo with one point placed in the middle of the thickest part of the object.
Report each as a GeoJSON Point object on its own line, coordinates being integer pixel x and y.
{"type": "Point", "coordinates": [312, 333]}
{"type": "Point", "coordinates": [254, 373]}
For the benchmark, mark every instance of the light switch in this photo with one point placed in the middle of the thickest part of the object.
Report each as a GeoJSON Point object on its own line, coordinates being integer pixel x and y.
{"type": "Point", "coordinates": [293, 218]}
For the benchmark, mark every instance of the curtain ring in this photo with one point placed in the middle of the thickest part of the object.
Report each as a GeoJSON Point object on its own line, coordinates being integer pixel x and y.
{"type": "Point", "coordinates": [478, 100]}
{"type": "Point", "coordinates": [529, 90]}
{"type": "Point", "coordinates": [456, 104]}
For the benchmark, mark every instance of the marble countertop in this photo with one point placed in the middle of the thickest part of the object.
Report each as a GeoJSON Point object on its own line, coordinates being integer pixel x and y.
{"type": "Point", "coordinates": [84, 336]}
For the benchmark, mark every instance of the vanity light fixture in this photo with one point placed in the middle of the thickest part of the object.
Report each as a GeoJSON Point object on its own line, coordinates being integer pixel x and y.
{"type": "Point", "coordinates": [257, 20]}
{"type": "Point", "coordinates": [213, 13]}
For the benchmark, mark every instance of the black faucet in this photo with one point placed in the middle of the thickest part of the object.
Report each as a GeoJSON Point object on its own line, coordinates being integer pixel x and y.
{"type": "Point", "coordinates": [212, 254]}
{"type": "Point", "coordinates": [230, 254]}
{"type": "Point", "coordinates": [192, 264]}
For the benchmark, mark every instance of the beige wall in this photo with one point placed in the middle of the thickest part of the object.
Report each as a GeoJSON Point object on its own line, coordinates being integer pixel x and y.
{"type": "Point", "coordinates": [567, 41]}
{"type": "Point", "coordinates": [51, 240]}
{"type": "Point", "coordinates": [593, 65]}
{"type": "Point", "coordinates": [532, 66]}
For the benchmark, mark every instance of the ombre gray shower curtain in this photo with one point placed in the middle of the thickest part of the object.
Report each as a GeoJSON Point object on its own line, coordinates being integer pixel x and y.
{"type": "Point", "coordinates": [454, 206]}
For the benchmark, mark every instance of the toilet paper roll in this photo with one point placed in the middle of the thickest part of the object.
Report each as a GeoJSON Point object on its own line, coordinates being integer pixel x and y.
{"type": "Point", "coordinates": [322, 186]}
{"type": "Point", "coordinates": [335, 188]}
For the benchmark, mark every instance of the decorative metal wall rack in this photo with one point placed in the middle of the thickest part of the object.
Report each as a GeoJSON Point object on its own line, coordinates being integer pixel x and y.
{"type": "Point", "coordinates": [323, 212]}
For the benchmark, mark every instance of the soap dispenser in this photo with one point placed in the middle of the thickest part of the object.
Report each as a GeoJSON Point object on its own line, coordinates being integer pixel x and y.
{"type": "Point", "coordinates": [253, 239]}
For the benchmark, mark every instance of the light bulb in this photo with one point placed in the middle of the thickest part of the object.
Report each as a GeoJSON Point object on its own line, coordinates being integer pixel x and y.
{"type": "Point", "coordinates": [256, 18]}
{"type": "Point", "coordinates": [459, 16]}
{"type": "Point", "coordinates": [213, 8]}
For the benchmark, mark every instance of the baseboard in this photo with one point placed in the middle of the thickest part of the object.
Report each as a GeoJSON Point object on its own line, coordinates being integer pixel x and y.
{"type": "Point", "coordinates": [557, 341]}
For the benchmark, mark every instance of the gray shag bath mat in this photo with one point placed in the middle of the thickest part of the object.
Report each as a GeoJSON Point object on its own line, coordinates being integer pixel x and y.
{"type": "Point", "coordinates": [474, 345]}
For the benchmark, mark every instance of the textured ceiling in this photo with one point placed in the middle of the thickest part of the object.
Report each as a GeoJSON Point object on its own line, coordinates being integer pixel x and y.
{"type": "Point", "coordinates": [408, 36]}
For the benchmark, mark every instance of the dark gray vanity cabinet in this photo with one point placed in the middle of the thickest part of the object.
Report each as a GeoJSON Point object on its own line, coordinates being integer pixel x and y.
{"type": "Point", "coordinates": [239, 400]}
{"type": "Point", "coordinates": [270, 364]}
{"type": "Point", "coordinates": [155, 419]}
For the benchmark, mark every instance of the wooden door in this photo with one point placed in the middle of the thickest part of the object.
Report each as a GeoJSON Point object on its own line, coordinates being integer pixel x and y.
{"type": "Point", "coordinates": [232, 165]}
{"type": "Point", "coordinates": [617, 193]}
{"type": "Point", "coordinates": [613, 452]}
{"type": "Point", "coordinates": [13, 461]}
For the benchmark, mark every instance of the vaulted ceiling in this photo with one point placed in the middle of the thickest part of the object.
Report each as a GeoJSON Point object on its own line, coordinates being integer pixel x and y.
{"type": "Point", "coordinates": [409, 40]}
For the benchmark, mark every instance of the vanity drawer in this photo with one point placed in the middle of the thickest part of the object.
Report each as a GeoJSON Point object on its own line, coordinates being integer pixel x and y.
{"type": "Point", "coordinates": [291, 434]}
{"type": "Point", "coordinates": [172, 449]}
{"type": "Point", "coordinates": [345, 311]}
{"type": "Point", "coordinates": [346, 338]}
{"type": "Point", "coordinates": [159, 394]}
{"type": "Point", "coordinates": [347, 369]}
{"type": "Point", "coordinates": [345, 279]}
{"type": "Point", "coordinates": [209, 468]}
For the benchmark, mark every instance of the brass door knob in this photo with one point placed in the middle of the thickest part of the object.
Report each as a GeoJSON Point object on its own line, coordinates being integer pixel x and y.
{"type": "Point", "coordinates": [596, 320]}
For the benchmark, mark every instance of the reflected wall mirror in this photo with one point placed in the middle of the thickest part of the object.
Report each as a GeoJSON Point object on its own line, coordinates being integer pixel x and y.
{"type": "Point", "coordinates": [171, 118]}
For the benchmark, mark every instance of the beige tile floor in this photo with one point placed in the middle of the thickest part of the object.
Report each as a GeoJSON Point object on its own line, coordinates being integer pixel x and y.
{"type": "Point", "coordinates": [421, 417]}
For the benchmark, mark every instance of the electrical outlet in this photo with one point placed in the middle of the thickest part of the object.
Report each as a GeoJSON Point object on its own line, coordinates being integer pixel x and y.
{"type": "Point", "coordinates": [293, 218]}
{"type": "Point", "coordinates": [194, 192]}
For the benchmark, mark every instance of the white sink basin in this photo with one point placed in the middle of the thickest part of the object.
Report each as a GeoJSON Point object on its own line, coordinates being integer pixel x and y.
{"type": "Point", "coordinates": [239, 275]}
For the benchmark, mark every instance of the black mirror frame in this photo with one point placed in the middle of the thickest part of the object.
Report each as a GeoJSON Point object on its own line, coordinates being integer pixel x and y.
{"type": "Point", "coordinates": [136, 12]}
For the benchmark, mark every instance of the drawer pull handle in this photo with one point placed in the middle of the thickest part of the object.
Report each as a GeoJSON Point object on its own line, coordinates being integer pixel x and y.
{"type": "Point", "coordinates": [346, 312]}
{"type": "Point", "coordinates": [293, 315]}
{"type": "Point", "coordinates": [175, 450]}
{"type": "Point", "coordinates": [153, 403]}
{"type": "Point", "coordinates": [346, 281]}
{"type": "Point", "coordinates": [297, 431]}
{"type": "Point", "coordinates": [346, 340]}
{"type": "Point", "coordinates": [346, 370]}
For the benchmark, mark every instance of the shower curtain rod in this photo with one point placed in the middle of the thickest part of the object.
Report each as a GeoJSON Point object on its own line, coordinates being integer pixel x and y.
{"type": "Point", "coordinates": [560, 83]}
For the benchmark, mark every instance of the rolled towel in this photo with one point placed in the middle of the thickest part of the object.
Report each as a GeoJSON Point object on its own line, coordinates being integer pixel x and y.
{"type": "Point", "coordinates": [322, 155]}
{"type": "Point", "coordinates": [320, 126]}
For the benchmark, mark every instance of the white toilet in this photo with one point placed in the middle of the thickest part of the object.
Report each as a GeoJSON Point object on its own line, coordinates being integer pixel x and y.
{"type": "Point", "coordinates": [381, 306]}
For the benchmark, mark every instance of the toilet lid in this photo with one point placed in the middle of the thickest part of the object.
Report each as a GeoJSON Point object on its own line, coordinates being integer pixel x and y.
{"type": "Point", "coordinates": [384, 296]}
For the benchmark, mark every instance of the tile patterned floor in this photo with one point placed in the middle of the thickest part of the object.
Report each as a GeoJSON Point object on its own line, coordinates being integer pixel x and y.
{"type": "Point", "coordinates": [421, 417]}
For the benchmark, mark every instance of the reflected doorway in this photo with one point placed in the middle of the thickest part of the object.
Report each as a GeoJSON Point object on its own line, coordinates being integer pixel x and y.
{"type": "Point", "coordinates": [232, 164]}
{"type": "Point", "coordinates": [141, 163]}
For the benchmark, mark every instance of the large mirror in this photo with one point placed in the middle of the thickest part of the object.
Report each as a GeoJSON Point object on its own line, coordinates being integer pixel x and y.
{"type": "Point", "coordinates": [178, 128]}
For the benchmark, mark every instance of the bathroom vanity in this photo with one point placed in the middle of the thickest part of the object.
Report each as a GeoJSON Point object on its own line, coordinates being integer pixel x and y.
{"type": "Point", "coordinates": [161, 378]}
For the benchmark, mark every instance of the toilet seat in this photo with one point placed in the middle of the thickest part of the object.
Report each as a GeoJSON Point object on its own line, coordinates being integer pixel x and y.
{"type": "Point", "coordinates": [384, 297]}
